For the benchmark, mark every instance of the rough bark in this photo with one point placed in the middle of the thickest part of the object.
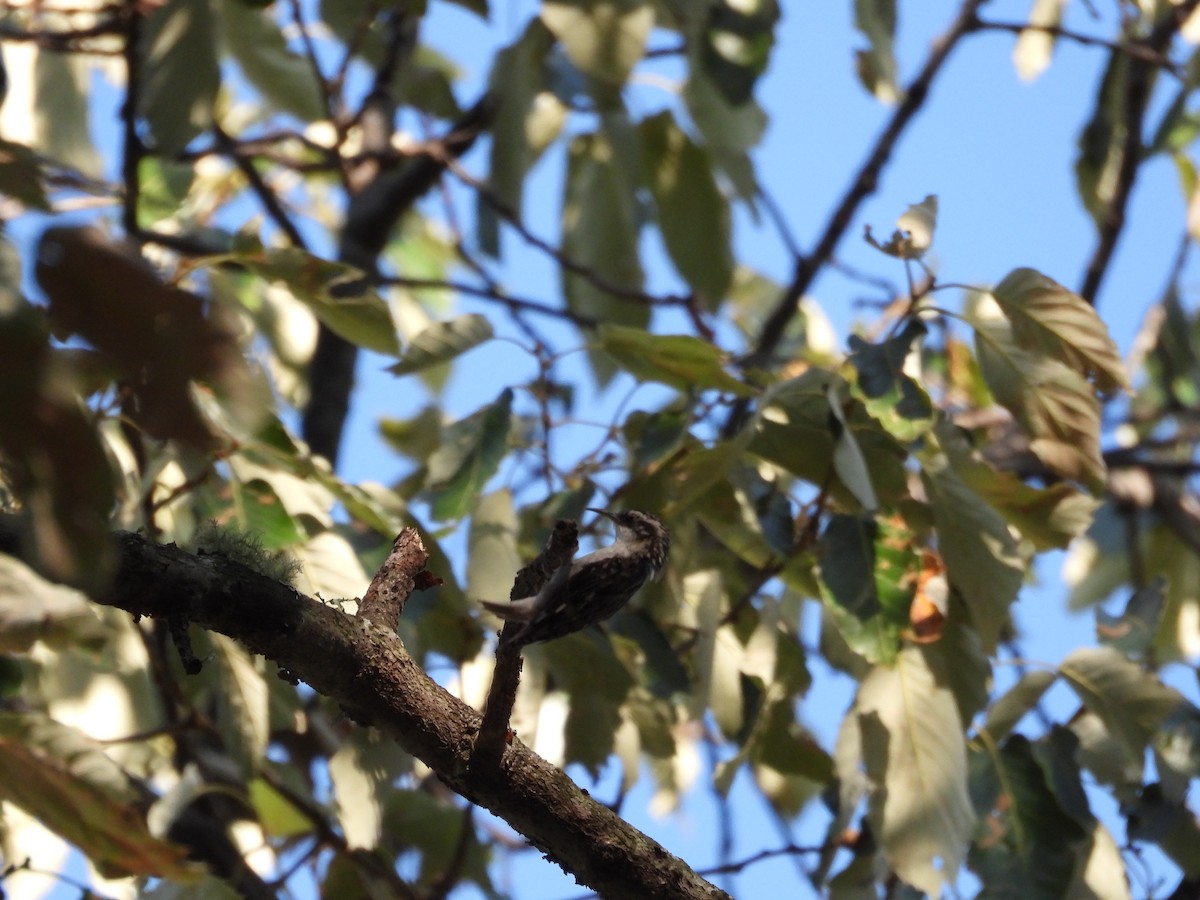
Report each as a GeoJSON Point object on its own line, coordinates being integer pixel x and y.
{"type": "Point", "coordinates": [367, 670]}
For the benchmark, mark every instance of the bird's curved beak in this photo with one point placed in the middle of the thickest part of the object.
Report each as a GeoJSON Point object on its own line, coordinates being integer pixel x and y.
{"type": "Point", "coordinates": [603, 512]}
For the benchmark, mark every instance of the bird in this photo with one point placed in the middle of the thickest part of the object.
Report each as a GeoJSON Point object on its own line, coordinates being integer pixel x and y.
{"type": "Point", "coordinates": [593, 587]}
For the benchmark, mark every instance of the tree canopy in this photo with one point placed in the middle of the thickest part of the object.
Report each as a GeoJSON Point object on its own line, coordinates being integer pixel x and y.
{"type": "Point", "coordinates": [228, 667]}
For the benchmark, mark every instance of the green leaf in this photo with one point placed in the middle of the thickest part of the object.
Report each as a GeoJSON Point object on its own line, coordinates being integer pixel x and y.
{"type": "Point", "coordinates": [443, 341]}
{"type": "Point", "coordinates": [1172, 825]}
{"type": "Point", "coordinates": [181, 73]}
{"type": "Point", "coordinates": [33, 609]}
{"type": "Point", "coordinates": [1034, 845]}
{"type": "Point", "coordinates": [584, 665]}
{"type": "Point", "coordinates": [600, 233]}
{"type": "Point", "coordinates": [876, 19]}
{"type": "Point", "coordinates": [796, 429]}
{"type": "Point", "coordinates": [471, 452]}
{"type": "Point", "coordinates": [54, 460]}
{"type": "Point", "coordinates": [1020, 699]}
{"type": "Point", "coordinates": [432, 827]}
{"type": "Point", "coordinates": [604, 39]}
{"type": "Point", "coordinates": [1132, 704]}
{"type": "Point", "coordinates": [21, 176]}
{"type": "Point", "coordinates": [693, 214]}
{"type": "Point", "coordinates": [1102, 142]}
{"type": "Point", "coordinates": [241, 703]}
{"type": "Point", "coordinates": [60, 115]}
{"type": "Point", "coordinates": [736, 46]}
{"type": "Point", "coordinates": [678, 360]}
{"type": "Point", "coordinates": [333, 291]}
{"type": "Point", "coordinates": [528, 119]}
{"type": "Point", "coordinates": [848, 459]}
{"type": "Point", "coordinates": [65, 780]}
{"type": "Point", "coordinates": [493, 559]}
{"type": "Point", "coordinates": [284, 78]}
{"type": "Point", "coordinates": [262, 514]}
{"type": "Point", "coordinates": [891, 397]}
{"type": "Point", "coordinates": [278, 815]}
{"type": "Point", "coordinates": [1049, 319]}
{"type": "Point", "coordinates": [1049, 517]}
{"type": "Point", "coordinates": [868, 574]}
{"type": "Point", "coordinates": [915, 753]}
{"type": "Point", "coordinates": [981, 557]}
{"type": "Point", "coordinates": [362, 772]}
{"type": "Point", "coordinates": [729, 130]}
{"type": "Point", "coordinates": [1054, 404]}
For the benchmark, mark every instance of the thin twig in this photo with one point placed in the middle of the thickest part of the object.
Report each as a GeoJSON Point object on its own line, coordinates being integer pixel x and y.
{"type": "Point", "coordinates": [594, 278]}
{"type": "Point", "coordinates": [131, 152]}
{"type": "Point", "coordinates": [864, 184]}
{"type": "Point", "coordinates": [1135, 49]}
{"type": "Point", "coordinates": [270, 201]}
{"type": "Point", "coordinates": [493, 293]}
{"type": "Point", "coordinates": [1137, 99]}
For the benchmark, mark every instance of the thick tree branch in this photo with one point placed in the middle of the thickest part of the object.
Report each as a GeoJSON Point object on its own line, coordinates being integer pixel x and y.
{"type": "Point", "coordinates": [365, 668]}
{"type": "Point", "coordinates": [373, 213]}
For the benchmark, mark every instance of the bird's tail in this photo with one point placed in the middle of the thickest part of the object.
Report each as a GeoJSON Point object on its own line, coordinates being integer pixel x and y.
{"type": "Point", "coordinates": [515, 611]}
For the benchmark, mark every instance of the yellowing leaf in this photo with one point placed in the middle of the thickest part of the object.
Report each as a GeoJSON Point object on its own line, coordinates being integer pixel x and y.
{"type": "Point", "coordinates": [1048, 318]}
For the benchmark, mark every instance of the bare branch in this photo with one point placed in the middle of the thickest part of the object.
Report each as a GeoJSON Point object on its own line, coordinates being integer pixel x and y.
{"type": "Point", "coordinates": [397, 578]}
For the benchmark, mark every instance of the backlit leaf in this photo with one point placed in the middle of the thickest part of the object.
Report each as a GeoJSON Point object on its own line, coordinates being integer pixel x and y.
{"type": "Point", "coordinates": [693, 215]}
{"type": "Point", "coordinates": [67, 781]}
{"type": "Point", "coordinates": [1020, 699]}
{"type": "Point", "coordinates": [1131, 703]}
{"type": "Point", "coordinates": [469, 456]}
{"type": "Point", "coordinates": [443, 341]}
{"type": "Point", "coordinates": [678, 360]}
{"type": "Point", "coordinates": [603, 38]}
{"type": "Point", "coordinates": [980, 554]}
{"type": "Point", "coordinates": [915, 753]}
{"type": "Point", "coordinates": [600, 232]}
{"type": "Point", "coordinates": [333, 291]}
{"type": "Point", "coordinates": [529, 117]}
{"type": "Point", "coordinates": [285, 78]}
{"type": "Point", "coordinates": [181, 73]}
{"type": "Point", "coordinates": [1056, 405]}
{"type": "Point", "coordinates": [1049, 319]}
{"type": "Point", "coordinates": [876, 19]}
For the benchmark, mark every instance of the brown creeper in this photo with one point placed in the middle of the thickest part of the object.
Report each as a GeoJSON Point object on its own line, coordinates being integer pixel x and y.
{"type": "Point", "coordinates": [592, 588]}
